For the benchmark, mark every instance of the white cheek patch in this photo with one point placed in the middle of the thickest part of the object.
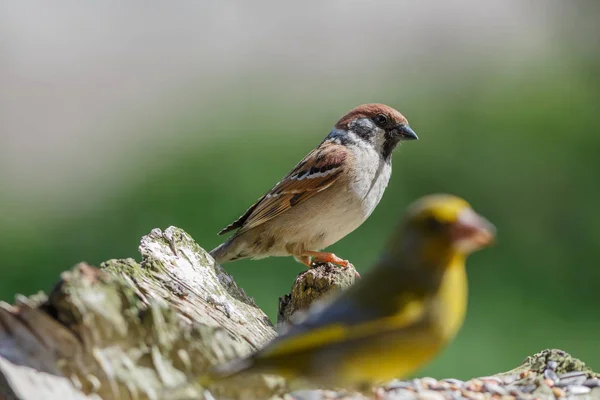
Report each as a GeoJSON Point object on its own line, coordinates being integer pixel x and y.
{"type": "Point", "coordinates": [365, 132]}
{"type": "Point", "coordinates": [379, 139]}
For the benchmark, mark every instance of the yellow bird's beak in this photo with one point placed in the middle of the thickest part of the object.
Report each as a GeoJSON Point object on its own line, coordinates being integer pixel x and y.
{"type": "Point", "coordinates": [472, 232]}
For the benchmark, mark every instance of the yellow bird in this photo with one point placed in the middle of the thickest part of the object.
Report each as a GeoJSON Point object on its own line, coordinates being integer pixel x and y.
{"type": "Point", "coordinates": [395, 319]}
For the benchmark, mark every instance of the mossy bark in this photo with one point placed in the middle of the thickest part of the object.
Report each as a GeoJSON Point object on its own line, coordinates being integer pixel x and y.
{"type": "Point", "coordinates": [148, 329]}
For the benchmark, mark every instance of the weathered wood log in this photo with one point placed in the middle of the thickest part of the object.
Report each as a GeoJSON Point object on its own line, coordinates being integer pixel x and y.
{"type": "Point", "coordinates": [130, 330]}
{"type": "Point", "coordinates": [147, 330]}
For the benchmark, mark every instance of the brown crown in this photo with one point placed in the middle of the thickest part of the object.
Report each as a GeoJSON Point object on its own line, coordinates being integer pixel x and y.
{"type": "Point", "coordinates": [369, 111]}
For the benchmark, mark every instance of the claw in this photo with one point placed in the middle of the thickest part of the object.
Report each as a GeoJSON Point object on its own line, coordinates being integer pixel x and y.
{"type": "Point", "coordinates": [304, 260]}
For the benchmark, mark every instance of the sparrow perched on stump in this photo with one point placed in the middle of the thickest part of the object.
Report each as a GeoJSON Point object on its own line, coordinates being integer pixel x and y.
{"type": "Point", "coordinates": [327, 195]}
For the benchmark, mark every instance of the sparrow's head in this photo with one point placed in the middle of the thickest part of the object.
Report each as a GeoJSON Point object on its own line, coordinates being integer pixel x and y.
{"type": "Point", "coordinates": [437, 228]}
{"type": "Point", "coordinates": [377, 125]}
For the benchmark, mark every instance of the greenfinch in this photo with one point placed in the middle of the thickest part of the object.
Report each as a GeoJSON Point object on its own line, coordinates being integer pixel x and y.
{"type": "Point", "coordinates": [395, 319]}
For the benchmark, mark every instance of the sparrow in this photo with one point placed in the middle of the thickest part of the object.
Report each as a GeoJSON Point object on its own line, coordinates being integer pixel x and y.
{"type": "Point", "coordinates": [402, 313]}
{"type": "Point", "coordinates": [327, 195]}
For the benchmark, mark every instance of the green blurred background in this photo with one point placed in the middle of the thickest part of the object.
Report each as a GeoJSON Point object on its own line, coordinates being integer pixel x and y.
{"type": "Point", "coordinates": [185, 115]}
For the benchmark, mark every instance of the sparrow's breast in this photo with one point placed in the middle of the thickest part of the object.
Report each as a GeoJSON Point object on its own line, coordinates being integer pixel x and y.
{"type": "Point", "coordinates": [347, 206]}
{"type": "Point", "coordinates": [370, 179]}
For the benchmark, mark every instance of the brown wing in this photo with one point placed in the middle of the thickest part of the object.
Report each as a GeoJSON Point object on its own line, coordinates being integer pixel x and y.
{"type": "Point", "coordinates": [315, 173]}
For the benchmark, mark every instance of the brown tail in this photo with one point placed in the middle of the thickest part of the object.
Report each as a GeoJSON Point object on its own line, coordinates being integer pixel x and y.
{"type": "Point", "coordinates": [228, 251]}
{"type": "Point", "coordinates": [220, 253]}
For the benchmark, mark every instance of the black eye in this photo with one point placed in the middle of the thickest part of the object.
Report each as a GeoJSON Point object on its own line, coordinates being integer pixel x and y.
{"type": "Point", "coordinates": [433, 224]}
{"type": "Point", "coordinates": [381, 120]}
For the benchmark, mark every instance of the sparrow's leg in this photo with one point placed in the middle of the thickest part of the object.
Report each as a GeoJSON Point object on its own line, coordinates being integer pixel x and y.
{"type": "Point", "coordinates": [304, 260]}
{"type": "Point", "coordinates": [326, 257]}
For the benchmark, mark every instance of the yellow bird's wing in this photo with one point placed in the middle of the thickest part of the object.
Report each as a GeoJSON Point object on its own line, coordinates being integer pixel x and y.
{"type": "Point", "coordinates": [341, 322]}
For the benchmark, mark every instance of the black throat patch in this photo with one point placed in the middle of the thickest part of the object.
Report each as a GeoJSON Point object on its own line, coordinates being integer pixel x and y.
{"type": "Point", "coordinates": [391, 141]}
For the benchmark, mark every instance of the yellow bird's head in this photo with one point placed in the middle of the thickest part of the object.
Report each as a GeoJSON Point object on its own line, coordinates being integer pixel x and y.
{"type": "Point", "coordinates": [439, 227]}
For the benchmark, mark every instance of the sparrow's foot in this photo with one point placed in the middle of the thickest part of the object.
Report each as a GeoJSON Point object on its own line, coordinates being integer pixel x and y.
{"type": "Point", "coordinates": [309, 258]}
{"type": "Point", "coordinates": [319, 256]}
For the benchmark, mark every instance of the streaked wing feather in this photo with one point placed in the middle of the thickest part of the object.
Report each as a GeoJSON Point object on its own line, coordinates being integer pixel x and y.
{"type": "Point", "coordinates": [315, 173]}
{"type": "Point", "coordinates": [240, 221]}
{"type": "Point", "coordinates": [290, 196]}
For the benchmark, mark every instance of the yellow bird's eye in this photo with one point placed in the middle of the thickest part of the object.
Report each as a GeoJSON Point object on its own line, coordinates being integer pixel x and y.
{"type": "Point", "coordinates": [432, 224]}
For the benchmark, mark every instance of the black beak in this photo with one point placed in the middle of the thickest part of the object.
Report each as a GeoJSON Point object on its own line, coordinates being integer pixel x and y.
{"type": "Point", "coordinates": [406, 133]}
